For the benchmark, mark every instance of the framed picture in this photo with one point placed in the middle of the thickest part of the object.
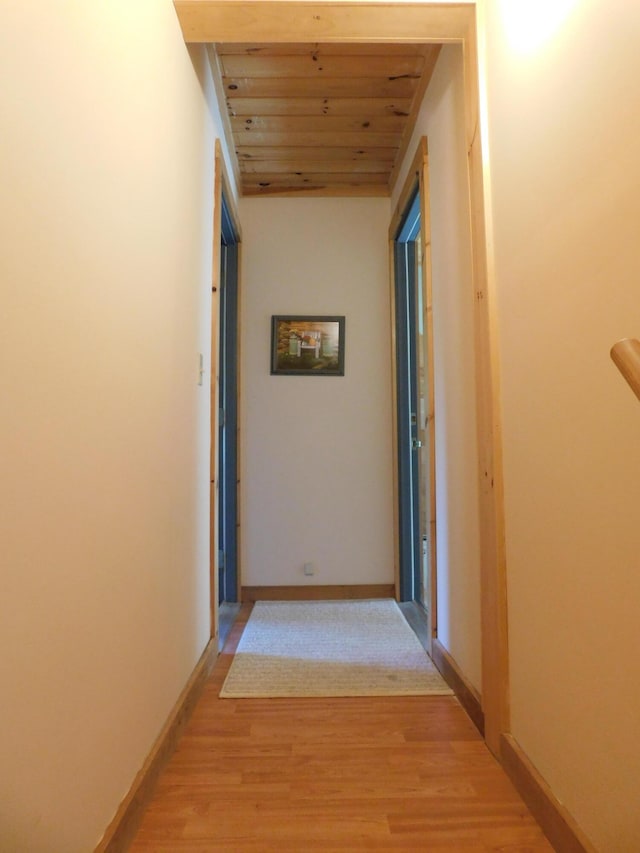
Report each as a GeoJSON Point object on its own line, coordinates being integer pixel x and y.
{"type": "Point", "coordinates": [307, 346]}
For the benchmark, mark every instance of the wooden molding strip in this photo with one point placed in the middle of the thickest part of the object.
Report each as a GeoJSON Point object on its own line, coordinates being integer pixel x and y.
{"type": "Point", "coordinates": [626, 357]}
{"type": "Point", "coordinates": [557, 824]}
{"type": "Point", "coordinates": [317, 593]}
{"type": "Point", "coordinates": [467, 694]}
{"type": "Point", "coordinates": [493, 566]}
{"type": "Point", "coordinates": [120, 832]}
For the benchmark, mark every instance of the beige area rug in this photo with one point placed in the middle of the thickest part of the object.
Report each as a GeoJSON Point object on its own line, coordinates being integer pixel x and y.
{"type": "Point", "coordinates": [330, 648]}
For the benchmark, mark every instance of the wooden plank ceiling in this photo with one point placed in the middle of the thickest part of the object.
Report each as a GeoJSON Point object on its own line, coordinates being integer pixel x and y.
{"type": "Point", "coordinates": [323, 119]}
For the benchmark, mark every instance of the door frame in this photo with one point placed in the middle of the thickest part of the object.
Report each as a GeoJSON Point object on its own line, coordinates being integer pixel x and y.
{"type": "Point", "coordinates": [228, 374]}
{"type": "Point", "coordinates": [417, 180]}
{"type": "Point", "coordinates": [286, 21]}
{"type": "Point", "coordinates": [221, 187]}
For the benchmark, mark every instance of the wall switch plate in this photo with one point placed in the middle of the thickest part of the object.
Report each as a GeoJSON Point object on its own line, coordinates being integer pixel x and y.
{"type": "Point", "coordinates": [308, 569]}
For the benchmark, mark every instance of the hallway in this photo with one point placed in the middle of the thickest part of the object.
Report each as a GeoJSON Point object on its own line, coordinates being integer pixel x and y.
{"type": "Point", "coordinates": [402, 773]}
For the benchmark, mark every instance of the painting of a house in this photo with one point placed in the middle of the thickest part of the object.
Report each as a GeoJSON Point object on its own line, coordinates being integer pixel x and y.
{"type": "Point", "coordinates": [307, 345]}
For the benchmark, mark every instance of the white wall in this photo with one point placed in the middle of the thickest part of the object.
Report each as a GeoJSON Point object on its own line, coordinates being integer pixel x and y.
{"type": "Point", "coordinates": [106, 174]}
{"type": "Point", "coordinates": [564, 124]}
{"type": "Point", "coordinates": [441, 119]}
{"type": "Point", "coordinates": [317, 476]}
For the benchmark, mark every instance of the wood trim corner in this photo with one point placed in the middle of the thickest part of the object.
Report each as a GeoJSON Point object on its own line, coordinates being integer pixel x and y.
{"type": "Point", "coordinates": [122, 829]}
{"type": "Point", "coordinates": [557, 824]}
{"type": "Point", "coordinates": [467, 695]}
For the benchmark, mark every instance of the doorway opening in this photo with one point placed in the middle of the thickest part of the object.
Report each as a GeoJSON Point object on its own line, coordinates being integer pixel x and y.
{"type": "Point", "coordinates": [427, 23]}
{"type": "Point", "coordinates": [415, 450]}
{"type": "Point", "coordinates": [225, 581]}
{"type": "Point", "coordinates": [228, 412]}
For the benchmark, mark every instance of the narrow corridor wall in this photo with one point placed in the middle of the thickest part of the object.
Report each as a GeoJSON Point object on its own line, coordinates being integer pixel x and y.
{"type": "Point", "coordinates": [106, 167]}
{"type": "Point", "coordinates": [441, 120]}
{"type": "Point", "coordinates": [561, 83]}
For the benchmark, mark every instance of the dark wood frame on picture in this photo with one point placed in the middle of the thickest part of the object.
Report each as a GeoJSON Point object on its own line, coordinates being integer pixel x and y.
{"type": "Point", "coordinates": [307, 345]}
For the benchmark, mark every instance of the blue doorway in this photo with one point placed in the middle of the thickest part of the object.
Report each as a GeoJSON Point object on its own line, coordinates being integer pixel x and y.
{"type": "Point", "coordinates": [228, 413]}
{"type": "Point", "coordinates": [407, 363]}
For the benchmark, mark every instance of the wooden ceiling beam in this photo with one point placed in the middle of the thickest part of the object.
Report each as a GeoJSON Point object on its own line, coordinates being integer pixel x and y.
{"type": "Point", "coordinates": [245, 21]}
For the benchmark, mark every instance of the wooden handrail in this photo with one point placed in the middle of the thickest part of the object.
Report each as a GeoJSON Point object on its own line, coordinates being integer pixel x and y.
{"type": "Point", "coordinates": [626, 355]}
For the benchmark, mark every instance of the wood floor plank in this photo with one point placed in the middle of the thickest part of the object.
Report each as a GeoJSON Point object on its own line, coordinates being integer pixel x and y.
{"type": "Point", "coordinates": [368, 773]}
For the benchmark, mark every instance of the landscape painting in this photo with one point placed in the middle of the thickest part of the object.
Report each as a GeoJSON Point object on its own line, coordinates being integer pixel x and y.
{"type": "Point", "coordinates": [307, 345]}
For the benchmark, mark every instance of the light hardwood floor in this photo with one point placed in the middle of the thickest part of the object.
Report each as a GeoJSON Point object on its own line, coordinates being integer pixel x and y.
{"type": "Point", "coordinates": [402, 773]}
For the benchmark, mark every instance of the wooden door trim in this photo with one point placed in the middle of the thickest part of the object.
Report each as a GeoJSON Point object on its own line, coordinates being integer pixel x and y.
{"type": "Point", "coordinates": [493, 575]}
{"type": "Point", "coordinates": [432, 542]}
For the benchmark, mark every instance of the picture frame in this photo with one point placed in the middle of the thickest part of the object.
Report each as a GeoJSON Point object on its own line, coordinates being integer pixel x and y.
{"type": "Point", "coordinates": [307, 345]}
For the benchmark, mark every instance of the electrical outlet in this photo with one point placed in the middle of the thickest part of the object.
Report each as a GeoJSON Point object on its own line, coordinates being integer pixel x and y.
{"type": "Point", "coordinates": [309, 569]}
